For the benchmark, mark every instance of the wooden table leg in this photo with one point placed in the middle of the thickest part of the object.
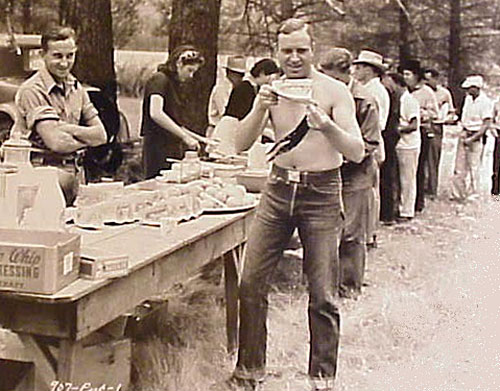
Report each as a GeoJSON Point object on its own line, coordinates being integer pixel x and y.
{"type": "Point", "coordinates": [45, 373]}
{"type": "Point", "coordinates": [68, 351]}
{"type": "Point", "coordinates": [233, 266]}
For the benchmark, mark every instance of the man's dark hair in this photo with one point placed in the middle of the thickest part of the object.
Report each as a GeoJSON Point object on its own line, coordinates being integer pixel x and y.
{"type": "Point", "coordinates": [398, 79]}
{"type": "Point", "coordinates": [434, 72]}
{"type": "Point", "coordinates": [56, 33]}
{"type": "Point", "coordinates": [265, 66]}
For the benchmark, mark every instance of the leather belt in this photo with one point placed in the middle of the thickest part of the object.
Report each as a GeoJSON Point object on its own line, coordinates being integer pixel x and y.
{"type": "Point", "coordinates": [305, 177]}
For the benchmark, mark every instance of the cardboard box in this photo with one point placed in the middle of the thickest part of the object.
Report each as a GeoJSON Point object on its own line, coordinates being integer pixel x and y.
{"type": "Point", "coordinates": [38, 261]}
{"type": "Point", "coordinates": [97, 263]}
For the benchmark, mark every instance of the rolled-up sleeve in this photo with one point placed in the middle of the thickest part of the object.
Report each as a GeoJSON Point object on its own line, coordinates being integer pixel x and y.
{"type": "Point", "coordinates": [88, 109]}
{"type": "Point", "coordinates": [33, 107]}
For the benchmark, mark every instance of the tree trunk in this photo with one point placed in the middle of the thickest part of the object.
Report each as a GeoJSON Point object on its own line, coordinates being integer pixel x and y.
{"type": "Point", "coordinates": [404, 31]}
{"type": "Point", "coordinates": [26, 16]}
{"type": "Point", "coordinates": [286, 9]}
{"type": "Point", "coordinates": [456, 72]}
{"type": "Point", "coordinates": [196, 22]}
{"type": "Point", "coordinates": [93, 25]}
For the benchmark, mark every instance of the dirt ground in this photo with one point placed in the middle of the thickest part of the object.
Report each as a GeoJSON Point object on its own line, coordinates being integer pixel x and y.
{"type": "Point", "coordinates": [428, 318]}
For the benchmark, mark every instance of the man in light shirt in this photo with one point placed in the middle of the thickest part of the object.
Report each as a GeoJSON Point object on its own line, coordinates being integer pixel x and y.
{"type": "Point", "coordinates": [446, 114]}
{"type": "Point", "coordinates": [368, 69]}
{"type": "Point", "coordinates": [413, 75]}
{"type": "Point", "coordinates": [407, 149]}
{"type": "Point", "coordinates": [234, 72]}
{"type": "Point", "coordinates": [477, 115]}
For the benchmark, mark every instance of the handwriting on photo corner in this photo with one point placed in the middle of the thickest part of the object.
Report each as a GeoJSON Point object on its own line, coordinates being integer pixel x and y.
{"type": "Point", "coordinates": [68, 386]}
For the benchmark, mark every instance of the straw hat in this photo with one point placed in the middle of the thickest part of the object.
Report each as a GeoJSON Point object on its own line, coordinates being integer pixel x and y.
{"type": "Point", "coordinates": [371, 58]}
{"type": "Point", "coordinates": [473, 81]}
{"type": "Point", "coordinates": [236, 64]}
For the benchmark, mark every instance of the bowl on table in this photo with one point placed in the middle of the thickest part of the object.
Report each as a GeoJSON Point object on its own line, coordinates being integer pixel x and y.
{"type": "Point", "coordinates": [253, 180]}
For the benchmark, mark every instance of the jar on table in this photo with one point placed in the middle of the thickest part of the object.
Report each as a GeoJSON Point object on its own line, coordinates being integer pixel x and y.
{"type": "Point", "coordinates": [191, 166]}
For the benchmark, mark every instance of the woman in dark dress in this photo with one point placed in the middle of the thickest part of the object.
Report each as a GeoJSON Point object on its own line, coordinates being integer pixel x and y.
{"type": "Point", "coordinates": [165, 110]}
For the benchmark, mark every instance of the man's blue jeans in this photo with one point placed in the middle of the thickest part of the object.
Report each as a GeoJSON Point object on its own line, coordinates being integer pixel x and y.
{"type": "Point", "coordinates": [314, 206]}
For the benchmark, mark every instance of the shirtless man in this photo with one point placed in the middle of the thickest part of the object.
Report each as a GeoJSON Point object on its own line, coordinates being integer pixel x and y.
{"type": "Point", "coordinates": [304, 192]}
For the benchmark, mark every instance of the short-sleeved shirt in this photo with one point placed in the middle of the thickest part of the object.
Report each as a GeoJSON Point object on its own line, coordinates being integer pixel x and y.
{"type": "Point", "coordinates": [475, 111]}
{"type": "Point", "coordinates": [427, 100]}
{"type": "Point", "coordinates": [241, 100]}
{"type": "Point", "coordinates": [360, 176]}
{"type": "Point", "coordinates": [381, 96]}
{"type": "Point", "coordinates": [409, 110]}
{"type": "Point", "coordinates": [218, 101]}
{"type": "Point", "coordinates": [41, 98]}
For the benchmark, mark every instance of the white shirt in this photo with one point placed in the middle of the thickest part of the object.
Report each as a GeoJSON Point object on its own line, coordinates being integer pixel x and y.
{"type": "Point", "coordinates": [475, 111]}
{"type": "Point", "coordinates": [410, 109]}
{"type": "Point", "coordinates": [381, 96]}
{"type": "Point", "coordinates": [218, 101]}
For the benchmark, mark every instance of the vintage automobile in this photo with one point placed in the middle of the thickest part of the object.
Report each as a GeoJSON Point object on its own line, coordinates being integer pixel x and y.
{"type": "Point", "coordinates": [20, 57]}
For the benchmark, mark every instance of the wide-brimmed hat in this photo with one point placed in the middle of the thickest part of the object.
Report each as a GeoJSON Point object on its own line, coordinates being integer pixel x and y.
{"type": "Point", "coordinates": [473, 81]}
{"type": "Point", "coordinates": [411, 65]}
{"type": "Point", "coordinates": [236, 64]}
{"type": "Point", "coordinates": [371, 58]}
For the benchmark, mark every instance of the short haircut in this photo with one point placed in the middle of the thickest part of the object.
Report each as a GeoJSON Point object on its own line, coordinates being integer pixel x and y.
{"type": "Point", "coordinates": [56, 33]}
{"type": "Point", "coordinates": [434, 72]}
{"type": "Point", "coordinates": [336, 59]}
{"type": "Point", "coordinates": [265, 66]}
{"type": "Point", "coordinates": [292, 25]}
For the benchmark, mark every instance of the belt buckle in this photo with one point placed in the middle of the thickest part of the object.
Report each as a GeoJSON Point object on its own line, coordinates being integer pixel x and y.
{"type": "Point", "coordinates": [294, 176]}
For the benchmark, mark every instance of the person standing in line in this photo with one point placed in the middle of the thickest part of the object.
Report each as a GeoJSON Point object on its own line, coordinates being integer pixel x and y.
{"type": "Point", "coordinates": [368, 68]}
{"type": "Point", "coordinates": [303, 191]}
{"type": "Point", "coordinates": [389, 169]}
{"type": "Point", "coordinates": [476, 119]}
{"type": "Point", "coordinates": [446, 114]}
{"type": "Point", "coordinates": [165, 111]}
{"type": "Point", "coordinates": [495, 129]}
{"type": "Point", "coordinates": [357, 178]}
{"type": "Point", "coordinates": [407, 149]}
{"type": "Point", "coordinates": [240, 103]}
{"type": "Point", "coordinates": [60, 118]}
{"type": "Point", "coordinates": [234, 72]}
{"type": "Point", "coordinates": [413, 75]}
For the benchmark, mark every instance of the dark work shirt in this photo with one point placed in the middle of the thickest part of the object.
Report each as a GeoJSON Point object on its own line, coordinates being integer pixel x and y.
{"type": "Point", "coordinates": [241, 100]}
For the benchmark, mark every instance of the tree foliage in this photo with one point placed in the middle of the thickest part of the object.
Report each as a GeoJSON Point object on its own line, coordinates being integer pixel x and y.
{"type": "Point", "coordinates": [126, 20]}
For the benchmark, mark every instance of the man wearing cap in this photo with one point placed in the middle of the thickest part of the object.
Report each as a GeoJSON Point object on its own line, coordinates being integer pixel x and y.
{"type": "Point", "coordinates": [368, 69]}
{"type": "Point", "coordinates": [413, 76]}
{"type": "Point", "coordinates": [235, 70]}
{"type": "Point", "coordinates": [314, 130]}
{"type": "Point", "coordinates": [446, 114]}
{"type": "Point", "coordinates": [357, 178]}
{"type": "Point", "coordinates": [477, 115]}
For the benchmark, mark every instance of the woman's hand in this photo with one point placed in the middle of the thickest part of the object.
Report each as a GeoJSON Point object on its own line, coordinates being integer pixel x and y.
{"type": "Point", "coordinates": [191, 142]}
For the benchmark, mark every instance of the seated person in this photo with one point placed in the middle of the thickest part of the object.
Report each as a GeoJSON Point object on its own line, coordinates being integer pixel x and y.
{"type": "Point", "coordinates": [60, 118]}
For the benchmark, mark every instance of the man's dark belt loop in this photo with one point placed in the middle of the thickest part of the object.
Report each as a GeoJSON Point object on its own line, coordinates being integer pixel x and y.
{"type": "Point", "coordinates": [290, 141]}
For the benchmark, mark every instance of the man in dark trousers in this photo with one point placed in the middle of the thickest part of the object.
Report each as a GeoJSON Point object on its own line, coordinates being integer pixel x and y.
{"type": "Point", "coordinates": [357, 178]}
{"type": "Point", "coordinates": [315, 129]}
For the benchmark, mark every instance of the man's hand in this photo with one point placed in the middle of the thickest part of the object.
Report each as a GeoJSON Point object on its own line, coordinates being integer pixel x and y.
{"type": "Point", "coordinates": [266, 97]}
{"type": "Point", "coordinates": [316, 117]}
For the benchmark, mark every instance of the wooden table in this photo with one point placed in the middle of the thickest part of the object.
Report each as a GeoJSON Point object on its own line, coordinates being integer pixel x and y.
{"type": "Point", "coordinates": [52, 327]}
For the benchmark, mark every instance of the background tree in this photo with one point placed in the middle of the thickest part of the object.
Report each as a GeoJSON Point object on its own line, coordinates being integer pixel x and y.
{"type": "Point", "coordinates": [95, 63]}
{"type": "Point", "coordinates": [196, 22]}
{"type": "Point", "coordinates": [126, 20]}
